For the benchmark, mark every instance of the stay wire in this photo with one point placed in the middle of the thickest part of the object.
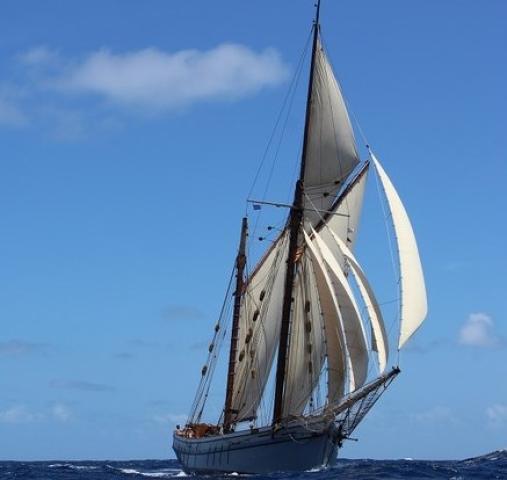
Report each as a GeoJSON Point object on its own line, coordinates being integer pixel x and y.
{"type": "Point", "coordinates": [287, 97]}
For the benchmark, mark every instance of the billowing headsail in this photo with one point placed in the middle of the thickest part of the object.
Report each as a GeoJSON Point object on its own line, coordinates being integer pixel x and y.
{"type": "Point", "coordinates": [372, 306]}
{"type": "Point", "coordinates": [259, 331]}
{"type": "Point", "coordinates": [353, 330]}
{"type": "Point", "coordinates": [412, 288]}
{"type": "Point", "coordinates": [331, 153]}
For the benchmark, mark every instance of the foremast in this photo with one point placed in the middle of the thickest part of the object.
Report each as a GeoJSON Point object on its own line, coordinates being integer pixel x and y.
{"type": "Point", "coordinates": [294, 225]}
{"type": "Point", "coordinates": [240, 283]}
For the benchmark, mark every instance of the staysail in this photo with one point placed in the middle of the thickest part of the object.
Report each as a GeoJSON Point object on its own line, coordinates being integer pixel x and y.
{"type": "Point", "coordinates": [307, 346]}
{"type": "Point", "coordinates": [412, 288]}
{"type": "Point", "coordinates": [338, 359]}
{"type": "Point", "coordinates": [370, 302]}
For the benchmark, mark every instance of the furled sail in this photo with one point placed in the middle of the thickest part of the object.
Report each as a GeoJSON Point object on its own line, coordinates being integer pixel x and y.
{"type": "Point", "coordinates": [307, 346]}
{"type": "Point", "coordinates": [331, 153]}
{"type": "Point", "coordinates": [259, 330]}
{"type": "Point", "coordinates": [372, 306]}
{"type": "Point", "coordinates": [412, 288]}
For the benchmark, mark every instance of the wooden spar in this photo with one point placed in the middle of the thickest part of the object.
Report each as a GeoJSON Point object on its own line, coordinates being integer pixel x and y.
{"type": "Point", "coordinates": [360, 174]}
{"type": "Point", "coordinates": [240, 281]}
{"type": "Point", "coordinates": [294, 224]}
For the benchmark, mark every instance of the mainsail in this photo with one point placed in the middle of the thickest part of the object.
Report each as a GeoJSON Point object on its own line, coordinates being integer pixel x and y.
{"type": "Point", "coordinates": [259, 331]}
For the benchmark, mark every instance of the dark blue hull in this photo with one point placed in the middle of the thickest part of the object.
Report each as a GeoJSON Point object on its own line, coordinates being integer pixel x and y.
{"type": "Point", "coordinates": [292, 448]}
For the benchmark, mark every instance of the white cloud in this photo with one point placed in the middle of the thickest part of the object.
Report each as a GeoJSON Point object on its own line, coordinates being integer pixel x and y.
{"type": "Point", "coordinates": [68, 96]}
{"type": "Point", "coordinates": [19, 414]}
{"type": "Point", "coordinates": [156, 80]}
{"type": "Point", "coordinates": [61, 412]}
{"type": "Point", "coordinates": [497, 415]}
{"type": "Point", "coordinates": [478, 332]}
{"type": "Point", "coordinates": [172, 418]}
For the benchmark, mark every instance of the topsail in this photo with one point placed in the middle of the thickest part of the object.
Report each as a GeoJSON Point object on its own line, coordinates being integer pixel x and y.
{"type": "Point", "coordinates": [331, 153]}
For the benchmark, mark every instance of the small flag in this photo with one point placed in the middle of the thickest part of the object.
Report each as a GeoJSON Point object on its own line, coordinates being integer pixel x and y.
{"type": "Point", "coordinates": [256, 206]}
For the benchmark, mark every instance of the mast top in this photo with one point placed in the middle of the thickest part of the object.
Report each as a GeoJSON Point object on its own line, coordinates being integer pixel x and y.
{"type": "Point", "coordinates": [317, 13]}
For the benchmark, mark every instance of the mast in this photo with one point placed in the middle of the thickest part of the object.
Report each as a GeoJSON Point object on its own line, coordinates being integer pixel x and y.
{"type": "Point", "coordinates": [240, 267]}
{"type": "Point", "coordinates": [294, 224]}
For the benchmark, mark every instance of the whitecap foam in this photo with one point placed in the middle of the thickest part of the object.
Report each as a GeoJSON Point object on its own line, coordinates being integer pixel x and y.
{"type": "Point", "coordinates": [165, 473]}
{"type": "Point", "coordinates": [73, 467]}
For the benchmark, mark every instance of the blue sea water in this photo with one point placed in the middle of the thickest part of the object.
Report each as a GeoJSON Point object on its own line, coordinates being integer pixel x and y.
{"type": "Point", "coordinates": [491, 466]}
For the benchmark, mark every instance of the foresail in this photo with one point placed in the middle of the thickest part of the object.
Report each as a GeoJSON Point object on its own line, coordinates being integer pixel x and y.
{"type": "Point", "coordinates": [355, 338]}
{"type": "Point", "coordinates": [377, 322]}
{"type": "Point", "coordinates": [338, 360]}
{"type": "Point", "coordinates": [345, 215]}
{"type": "Point", "coordinates": [259, 331]}
{"type": "Point", "coordinates": [307, 345]}
{"type": "Point", "coordinates": [412, 288]}
{"type": "Point", "coordinates": [331, 153]}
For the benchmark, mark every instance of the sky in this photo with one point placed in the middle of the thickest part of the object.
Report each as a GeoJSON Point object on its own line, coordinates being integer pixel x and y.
{"type": "Point", "coordinates": [130, 133]}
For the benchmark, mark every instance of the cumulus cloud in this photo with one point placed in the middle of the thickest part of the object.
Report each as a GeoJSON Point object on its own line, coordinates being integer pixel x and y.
{"type": "Point", "coordinates": [157, 80]}
{"type": "Point", "coordinates": [68, 97]}
{"type": "Point", "coordinates": [478, 331]}
{"type": "Point", "coordinates": [497, 415]}
{"type": "Point", "coordinates": [81, 385]}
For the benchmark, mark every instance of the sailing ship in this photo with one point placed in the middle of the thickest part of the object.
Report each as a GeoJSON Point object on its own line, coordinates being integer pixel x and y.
{"type": "Point", "coordinates": [306, 318]}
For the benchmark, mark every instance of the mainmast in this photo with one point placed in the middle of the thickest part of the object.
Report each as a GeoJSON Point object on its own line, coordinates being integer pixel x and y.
{"type": "Point", "coordinates": [294, 224]}
{"type": "Point", "coordinates": [240, 267]}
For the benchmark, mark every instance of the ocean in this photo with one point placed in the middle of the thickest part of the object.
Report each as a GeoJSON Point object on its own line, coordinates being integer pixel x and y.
{"type": "Point", "coordinates": [490, 466]}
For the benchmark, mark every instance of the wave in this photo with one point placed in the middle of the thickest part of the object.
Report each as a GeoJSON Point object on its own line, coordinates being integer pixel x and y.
{"type": "Point", "coordinates": [70, 466]}
{"type": "Point", "coordinates": [163, 473]}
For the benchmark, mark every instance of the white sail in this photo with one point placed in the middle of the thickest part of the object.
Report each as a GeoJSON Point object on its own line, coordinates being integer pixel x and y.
{"type": "Point", "coordinates": [338, 359]}
{"type": "Point", "coordinates": [259, 330]}
{"type": "Point", "coordinates": [344, 221]}
{"type": "Point", "coordinates": [355, 337]}
{"type": "Point", "coordinates": [307, 344]}
{"type": "Point", "coordinates": [372, 306]}
{"type": "Point", "coordinates": [331, 153]}
{"type": "Point", "coordinates": [412, 288]}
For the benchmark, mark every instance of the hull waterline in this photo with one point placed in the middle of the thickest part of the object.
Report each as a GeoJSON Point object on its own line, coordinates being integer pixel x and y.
{"type": "Point", "coordinates": [258, 451]}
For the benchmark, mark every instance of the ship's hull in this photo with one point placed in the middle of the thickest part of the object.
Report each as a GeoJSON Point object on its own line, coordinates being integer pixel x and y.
{"type": "Point", "coordinates": [292, 448]}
